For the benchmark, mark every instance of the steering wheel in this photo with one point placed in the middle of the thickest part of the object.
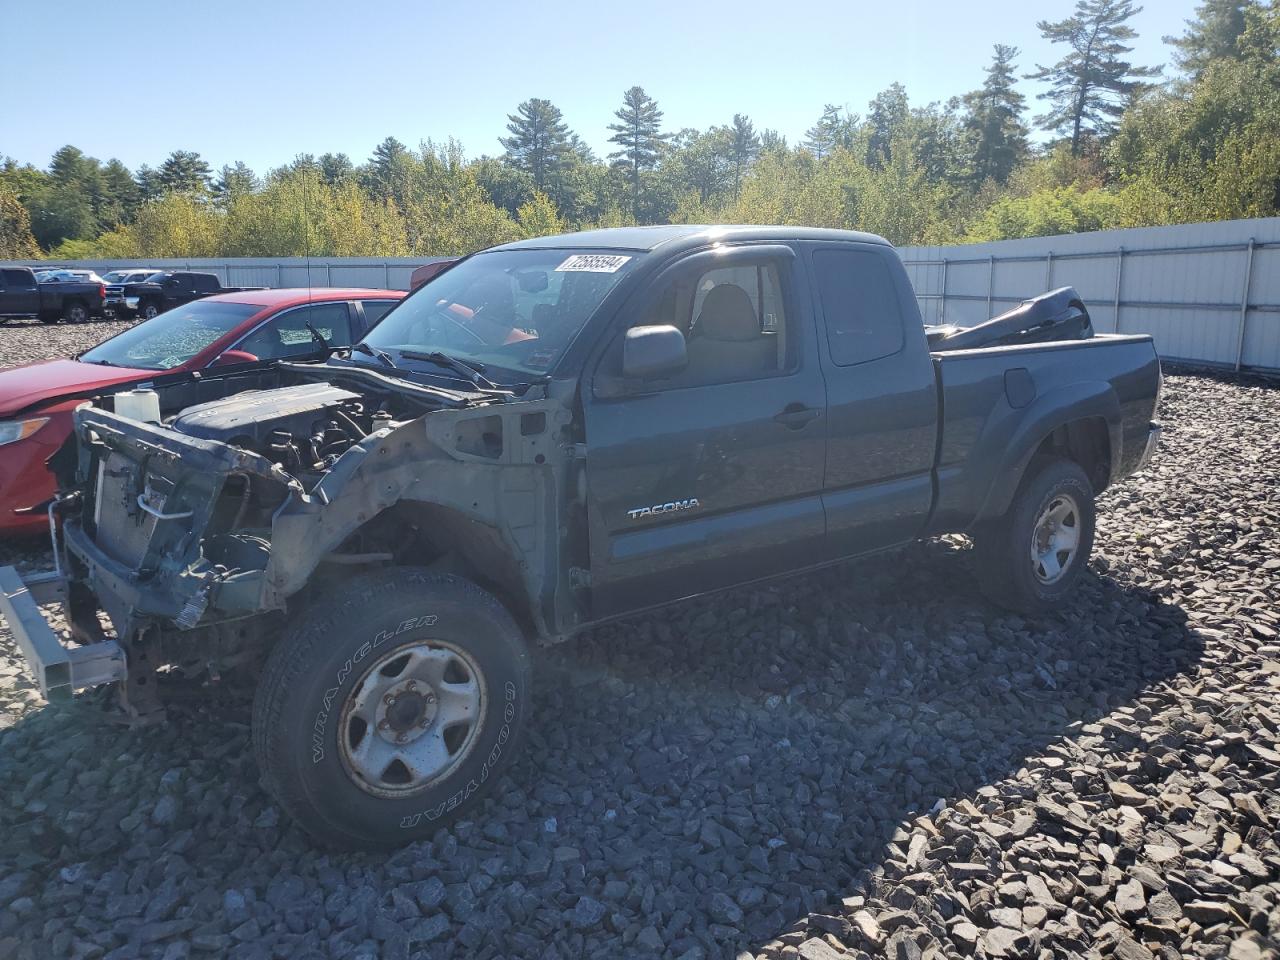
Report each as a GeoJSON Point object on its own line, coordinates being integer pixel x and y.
{"type": "Point", "coordinates": [474, 337]}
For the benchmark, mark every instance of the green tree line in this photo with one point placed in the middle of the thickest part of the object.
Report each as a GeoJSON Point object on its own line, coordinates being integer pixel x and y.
{"type": "Point", "coordinates": [1125, 145]}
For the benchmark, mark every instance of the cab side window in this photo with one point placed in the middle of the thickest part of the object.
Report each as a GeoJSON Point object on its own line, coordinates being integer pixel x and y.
{"type": "Point", "coordinates": [287, 335]}
{"type": "Point", "coordinates": [734, 322]}
{"type": "Point", "coordinates": [375, 310]}
{"type": "Point", "coordinates": [859, 304]}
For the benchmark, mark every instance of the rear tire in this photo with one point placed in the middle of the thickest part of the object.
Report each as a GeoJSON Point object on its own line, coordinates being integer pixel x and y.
{"type": "Point", "coordinates": [390, 707]}
{"type": "Point", "coordinates": [1030, 559]}
{"type": "Point", "coordinates": [75, 312]}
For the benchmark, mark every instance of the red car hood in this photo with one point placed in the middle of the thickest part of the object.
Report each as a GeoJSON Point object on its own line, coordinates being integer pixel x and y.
{"type": "Point", "coordinates": [21, 387]}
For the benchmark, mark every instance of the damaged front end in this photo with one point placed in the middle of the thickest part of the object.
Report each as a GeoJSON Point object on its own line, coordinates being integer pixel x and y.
{"type": "Point", "coordinates": [196, 535]}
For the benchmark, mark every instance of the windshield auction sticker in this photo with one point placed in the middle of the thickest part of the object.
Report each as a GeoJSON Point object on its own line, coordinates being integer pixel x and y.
{"type": "Point", "coordinates": [592, 263]}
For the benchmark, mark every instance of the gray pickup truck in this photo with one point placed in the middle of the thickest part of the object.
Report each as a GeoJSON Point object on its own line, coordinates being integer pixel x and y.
{"type": "Point", "coordinates": [547, 435]}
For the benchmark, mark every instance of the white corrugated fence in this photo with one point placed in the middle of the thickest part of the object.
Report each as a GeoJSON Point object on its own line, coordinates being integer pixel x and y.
{"type": "Point", "coordinates": [1209, 293]}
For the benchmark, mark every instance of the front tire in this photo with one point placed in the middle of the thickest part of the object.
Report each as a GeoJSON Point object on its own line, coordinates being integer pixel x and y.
{"type": "Point", "coordinates": [390, 707]}
{"type": "Point", "coordinates": [1031, 558]}
{"type": "Point", "coordinates": [149, 310]}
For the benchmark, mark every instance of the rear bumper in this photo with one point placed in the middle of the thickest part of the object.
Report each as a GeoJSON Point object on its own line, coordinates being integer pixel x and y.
{"type": "Point", "coordinates": [58, 669]}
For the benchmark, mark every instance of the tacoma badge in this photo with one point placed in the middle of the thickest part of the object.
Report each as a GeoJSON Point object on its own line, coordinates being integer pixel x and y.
{"type": "Point", "coordinates": [669, 507]}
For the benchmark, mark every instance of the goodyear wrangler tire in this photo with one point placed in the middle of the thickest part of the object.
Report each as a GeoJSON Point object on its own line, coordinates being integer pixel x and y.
{"type": "Point", "coordinates": [390, 707]}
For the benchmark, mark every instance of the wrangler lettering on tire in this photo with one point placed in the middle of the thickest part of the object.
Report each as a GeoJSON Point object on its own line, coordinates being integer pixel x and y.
{"type": "Point", "coordinates": [390, 707]}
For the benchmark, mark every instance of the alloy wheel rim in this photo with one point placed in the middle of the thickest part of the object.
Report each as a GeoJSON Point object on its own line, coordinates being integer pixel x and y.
{"type": "Point", "coordinates": [412, 718]}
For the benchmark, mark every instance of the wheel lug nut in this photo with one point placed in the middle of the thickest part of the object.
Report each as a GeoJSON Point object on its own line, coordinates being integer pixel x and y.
{"type": "Point", "coordinates": [430, 698]}
{"type": "Point", "coordinates": [382, 724]}
{"type": "Point", "coordinates": [389, 699]}
{"type": "Point", "coordinates": [400, 738]}
{"type": "Point", "coordinates": [411, 685]}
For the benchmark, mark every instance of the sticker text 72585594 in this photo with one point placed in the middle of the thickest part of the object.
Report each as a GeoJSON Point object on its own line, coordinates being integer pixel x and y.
{"type": "Point", "coordinates": [592, 263]}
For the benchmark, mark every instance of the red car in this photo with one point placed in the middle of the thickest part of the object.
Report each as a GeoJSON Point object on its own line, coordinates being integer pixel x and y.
{"type": "Point", "coordinates": [36, 400]}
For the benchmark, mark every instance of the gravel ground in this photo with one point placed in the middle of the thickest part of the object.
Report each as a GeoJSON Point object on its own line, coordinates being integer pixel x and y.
{"type": "Point", "coordinates": [22, 341]}
{"type": "Point", "coordinates": [864, 762]}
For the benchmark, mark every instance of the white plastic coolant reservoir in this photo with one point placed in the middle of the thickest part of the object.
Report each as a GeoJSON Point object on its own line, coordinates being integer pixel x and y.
{"type": "Point", "coordinates": [141, 405]}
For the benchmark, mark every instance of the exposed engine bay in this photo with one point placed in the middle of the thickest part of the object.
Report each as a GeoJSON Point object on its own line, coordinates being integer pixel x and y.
{"type": "Point", "coordinates": [303, 428]}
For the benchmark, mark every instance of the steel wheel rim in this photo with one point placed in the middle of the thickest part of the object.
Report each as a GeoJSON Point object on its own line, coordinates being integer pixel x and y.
{"type": "Point", "coordinates": [412, 718]}
{"type": "Point", "coordinates": [1055, 539]}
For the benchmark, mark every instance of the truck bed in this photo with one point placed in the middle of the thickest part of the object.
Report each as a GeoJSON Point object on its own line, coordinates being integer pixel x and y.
{"type": "Point", "coordinates": [995, 402]}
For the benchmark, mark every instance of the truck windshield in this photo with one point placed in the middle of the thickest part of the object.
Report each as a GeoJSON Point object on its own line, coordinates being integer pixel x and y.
{"type": "Point", "coordinates": [512, 309]}
{"type": "Point", "coordinates": [172, 338]}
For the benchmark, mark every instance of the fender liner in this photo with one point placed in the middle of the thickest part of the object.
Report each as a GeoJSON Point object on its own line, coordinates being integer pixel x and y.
{"type": "Point", "coordinates": [1055, 408]}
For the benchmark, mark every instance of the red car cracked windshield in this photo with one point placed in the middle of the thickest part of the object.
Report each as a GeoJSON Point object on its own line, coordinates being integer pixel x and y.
{"type": "Point", "coordinates": [36, 400]}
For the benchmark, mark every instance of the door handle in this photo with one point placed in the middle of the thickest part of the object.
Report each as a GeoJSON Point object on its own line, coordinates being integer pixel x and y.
{"type": "Point", "coordinates": [796, 415]}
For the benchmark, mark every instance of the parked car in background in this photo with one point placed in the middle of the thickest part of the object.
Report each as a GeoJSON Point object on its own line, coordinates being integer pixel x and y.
{"type": "Point", "coordinates": [36, 400]}
{"type": "Point", "coordinates": [116, 281]}
{"type": "Point", "coordinates": [23, 296]}
{"type": "Point", "coordinates": [66, 276]}
{"type": "Point", "coordinates": [130, 275]}
{"type": "Point", "coordinates": [164, 291]}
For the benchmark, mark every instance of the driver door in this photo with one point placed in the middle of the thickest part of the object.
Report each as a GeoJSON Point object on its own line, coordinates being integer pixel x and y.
{"type": "Point", "coordinates": [713, 476]}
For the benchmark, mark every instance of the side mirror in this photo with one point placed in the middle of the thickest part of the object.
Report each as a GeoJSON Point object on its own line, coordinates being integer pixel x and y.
{"type": "Point", "coordinates": [652, 352]}
{"type": "Point", "coordinates": [233, 356]}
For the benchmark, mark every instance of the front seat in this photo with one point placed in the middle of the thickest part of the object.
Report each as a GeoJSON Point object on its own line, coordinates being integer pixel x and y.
{"type": "Point", "coordinates": [725, 343]}
{"type": "Point", "coordinates": [266, 343]}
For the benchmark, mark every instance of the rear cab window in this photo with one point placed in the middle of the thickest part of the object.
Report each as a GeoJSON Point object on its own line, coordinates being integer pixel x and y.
{"type": "Point", "coordinates": [860, 305]}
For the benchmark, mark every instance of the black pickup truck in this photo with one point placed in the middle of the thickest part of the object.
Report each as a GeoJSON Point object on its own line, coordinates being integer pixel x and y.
{"type": "Point", "coordinates": [164, 291]}
{"type": "Point", "coordinates": [550, 434]}
{"type": "Point", "coordinates": [21, 296]}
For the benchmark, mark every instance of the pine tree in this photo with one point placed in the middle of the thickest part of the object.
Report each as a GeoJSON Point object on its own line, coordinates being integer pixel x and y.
{"type": "Point", "coordinates": [638, 133]}
{"type": "Point", "coordinates": [234, 180]}
{"type": "Point", "coordinates": [336, 168]}
{"type": "Point", "coordinates": [771, 141]}
{"type": "Point", "coordinates": [183, 171]}
{"type": "Point", "coordinates": [744, 147]}
{"type": "Point", "coordinates": [539, 143]}
{"type": "Point", "coordinates": [1090, 85]}
{"type": "Point", "coordinates": [121, 194]}
{"type": "Point", "coordinates": [1212, 35]}
{"type": "Point", "coordinates": [886, 115]}
{"type": "Point", "coordinates": [148, 181]}
{"type": "Point", "coordinates": [994, 119]}
{"type": "Point", "coordinates": [386, 171]}
{"type": "Point", "coordinates": [822, 137]}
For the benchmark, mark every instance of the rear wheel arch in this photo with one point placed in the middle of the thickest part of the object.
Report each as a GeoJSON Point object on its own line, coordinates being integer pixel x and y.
{"type": "Point", "coordinates": [1086, 441]}
{"type": "Point", "coordinates": [1080, 423]}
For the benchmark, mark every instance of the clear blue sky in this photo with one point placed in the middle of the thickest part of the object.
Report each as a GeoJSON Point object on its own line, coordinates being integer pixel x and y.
{"type": "Point", "coordinates": [264, 81]}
